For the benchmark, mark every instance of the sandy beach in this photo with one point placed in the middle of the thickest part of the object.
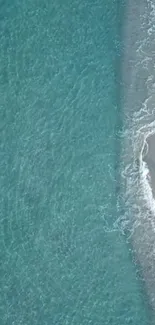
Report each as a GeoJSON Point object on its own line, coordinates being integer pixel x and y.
{"type": "Point", "coordinates": [150, 160]}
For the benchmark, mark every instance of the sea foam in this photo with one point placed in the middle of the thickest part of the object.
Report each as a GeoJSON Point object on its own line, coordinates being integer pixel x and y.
{"type": "Point", "coordinates": [136, 199]}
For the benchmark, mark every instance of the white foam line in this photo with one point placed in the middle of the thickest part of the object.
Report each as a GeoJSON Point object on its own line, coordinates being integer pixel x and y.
{"type": "Point", "coordinates": [146, 181]}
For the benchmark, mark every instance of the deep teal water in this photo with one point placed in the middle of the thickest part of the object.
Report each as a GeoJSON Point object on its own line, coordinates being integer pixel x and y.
{"type": "Point", "coordinates": [61, 260]}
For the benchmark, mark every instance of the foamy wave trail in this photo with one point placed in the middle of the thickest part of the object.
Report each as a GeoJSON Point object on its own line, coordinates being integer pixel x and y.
{"type": "Point", "coordinates": [146, 186]}
{"type": "Point", "coordinates": [138, 102]}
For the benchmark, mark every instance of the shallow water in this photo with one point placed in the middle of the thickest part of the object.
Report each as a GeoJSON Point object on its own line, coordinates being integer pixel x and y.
{"type": "Point", "coordinates": [64, 259]}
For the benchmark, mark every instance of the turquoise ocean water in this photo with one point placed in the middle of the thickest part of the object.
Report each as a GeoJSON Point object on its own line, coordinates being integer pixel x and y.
{"type": "Point", "coordinates": [63, 259]}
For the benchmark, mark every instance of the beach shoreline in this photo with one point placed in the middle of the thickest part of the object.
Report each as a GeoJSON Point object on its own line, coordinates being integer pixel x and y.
{"type": "Point", "coordinates": [149, 158]}
{"type": "Point", "coordinates": [138, 145]}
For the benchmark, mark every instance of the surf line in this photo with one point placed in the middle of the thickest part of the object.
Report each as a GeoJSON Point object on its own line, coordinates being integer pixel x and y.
{"type": "Point", "coordinates": [143, 238]}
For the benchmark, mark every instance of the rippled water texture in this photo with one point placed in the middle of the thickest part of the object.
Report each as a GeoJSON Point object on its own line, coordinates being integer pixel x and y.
{"type": "Point", "coordinates": [64, 259]}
